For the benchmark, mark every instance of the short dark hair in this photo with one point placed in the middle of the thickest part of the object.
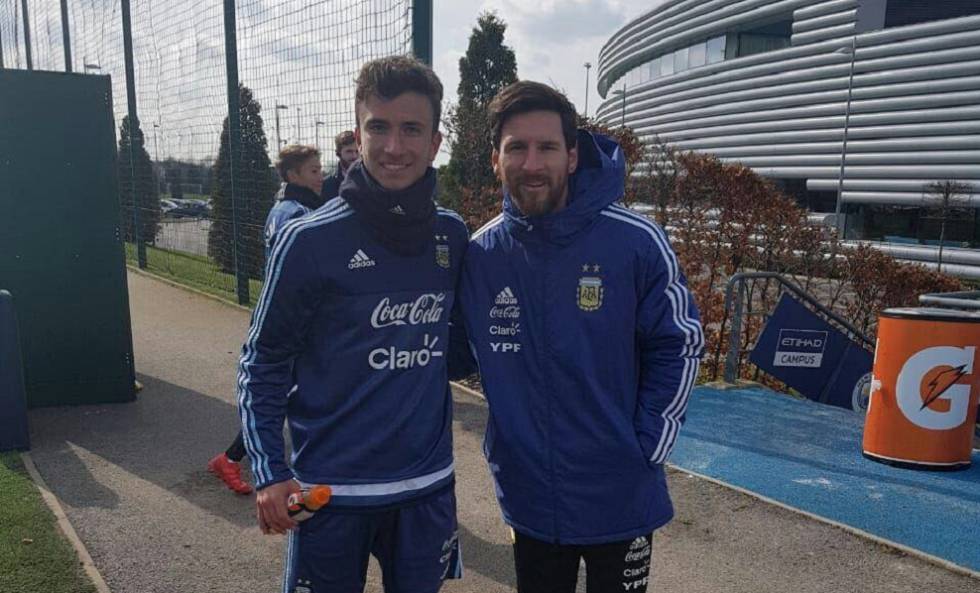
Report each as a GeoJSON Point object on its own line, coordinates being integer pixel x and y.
{"type": "Point", "coordinates": [525, 96]}
{"type": "Point", "coordinates": [343, 139]}
{"type": "Point", "coordinates": [389, 77]}
{"type": "Point", "coordinates": [293, 156]}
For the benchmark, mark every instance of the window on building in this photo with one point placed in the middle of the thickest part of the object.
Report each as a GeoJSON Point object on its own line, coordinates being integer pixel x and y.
{"type": "Point", "coordinates": [814, 201]}
{"type": "Point", "coordinates": [680, 60]}
{"type": "Point", "coordinates": [653, 68]}
{"type": "Point", "coordinates": [666, 65]}
{"type": "Point", "coordinates": [764, 38]}
{"type": "Point", "coordinates": [916, 225]}
{"type": "Point", "coordinates": [715, 49]}
{"type": "Point", "coordinates": [900, 13]}
{"type": "Point", "coordinates": [696, 55]}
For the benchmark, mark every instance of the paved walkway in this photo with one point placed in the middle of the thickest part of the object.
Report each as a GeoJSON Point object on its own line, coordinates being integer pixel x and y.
{"type": "Point", "coordinates": [132, 480]}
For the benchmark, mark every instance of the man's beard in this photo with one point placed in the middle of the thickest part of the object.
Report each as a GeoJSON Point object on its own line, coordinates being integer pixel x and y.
{"type": "Point", "coordinates": [537, 205]}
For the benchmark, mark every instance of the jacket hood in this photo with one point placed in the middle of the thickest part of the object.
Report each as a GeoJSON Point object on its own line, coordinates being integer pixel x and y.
{"type": "Point", "coordinates": [598, 181]}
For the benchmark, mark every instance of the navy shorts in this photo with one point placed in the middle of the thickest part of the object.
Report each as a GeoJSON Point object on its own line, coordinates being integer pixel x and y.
{"type": "Point", "coordinates": [416, 545]}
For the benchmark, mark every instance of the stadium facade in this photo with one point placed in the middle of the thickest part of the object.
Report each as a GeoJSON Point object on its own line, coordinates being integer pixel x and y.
{"type": "Point", "coordinates": [789, 86]}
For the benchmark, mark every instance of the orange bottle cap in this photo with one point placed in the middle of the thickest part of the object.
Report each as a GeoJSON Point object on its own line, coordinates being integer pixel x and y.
{"type": "Point", "coordinates": [318, 496]}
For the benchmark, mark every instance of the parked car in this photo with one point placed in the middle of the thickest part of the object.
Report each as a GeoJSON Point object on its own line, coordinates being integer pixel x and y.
{"type": "Point", "coordinates": [179, 208]}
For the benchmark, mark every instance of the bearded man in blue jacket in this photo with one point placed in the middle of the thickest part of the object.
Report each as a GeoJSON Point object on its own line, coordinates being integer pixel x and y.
{"type": "Point", "coordinates": [588, 343]}
{"type": "Point", "coordinates": [348, 345]}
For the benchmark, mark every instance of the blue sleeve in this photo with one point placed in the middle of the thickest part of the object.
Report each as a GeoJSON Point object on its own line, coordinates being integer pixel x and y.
{"type": "Point", "coordinates": [460, 362]}
{"type": "Point", "coordinates": [670, 342]}
{"type": "Point", "coordinates": [282, 212]}
{"type": "Point", "coordinates": [275, 338]}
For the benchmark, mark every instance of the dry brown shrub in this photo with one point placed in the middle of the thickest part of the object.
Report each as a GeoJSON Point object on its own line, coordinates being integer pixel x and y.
{"type": "Point", "coordinates": [727, 219]}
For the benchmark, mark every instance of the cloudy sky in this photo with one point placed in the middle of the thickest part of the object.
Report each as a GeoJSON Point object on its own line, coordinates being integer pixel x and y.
{"type": "Point", "coordinates": [552, 39]}
{"type": "Point", "coordinates": [299, 54]}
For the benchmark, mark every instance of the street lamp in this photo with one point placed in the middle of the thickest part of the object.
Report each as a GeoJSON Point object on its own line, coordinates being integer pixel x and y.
{"type": "Point", "coordinates": [588, 66]}
{"type": "Point", "coordinates": [842, 224]}
{"type": "Point", "coordinates": [156, 147]}
{"type": "Point", "coordinates": [299, 137]}
{"type": "Point", "coordinates": [622, 92]}
{"type": "Point", "coordinates": [278, 139]}
{"type": "Point", "coordinates": [317, 124]}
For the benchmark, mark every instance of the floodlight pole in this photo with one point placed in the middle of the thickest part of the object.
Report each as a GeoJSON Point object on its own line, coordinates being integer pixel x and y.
{"type": "Point", "coordinates": [842, 224]}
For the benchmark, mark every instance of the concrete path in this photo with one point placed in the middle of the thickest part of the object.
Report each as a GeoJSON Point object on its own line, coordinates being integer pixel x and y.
{"type": "Point", "coordinates": [132, 480]}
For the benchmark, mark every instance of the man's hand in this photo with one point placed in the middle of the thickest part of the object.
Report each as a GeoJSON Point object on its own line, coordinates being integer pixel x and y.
{"type": "Point", "coordinates": [271, 507]}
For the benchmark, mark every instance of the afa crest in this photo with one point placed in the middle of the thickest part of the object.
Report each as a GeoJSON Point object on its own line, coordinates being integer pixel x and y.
{"type": "Point", "coordinates": [442, 252]}
{"type": "Point", "coordinates": [590, 293]}
{"type": "Point", "coordinates": [442, 255]}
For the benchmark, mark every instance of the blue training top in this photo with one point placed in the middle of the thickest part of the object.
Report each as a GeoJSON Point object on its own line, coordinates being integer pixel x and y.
{"type": "Point", "coordinates": [348, 343]}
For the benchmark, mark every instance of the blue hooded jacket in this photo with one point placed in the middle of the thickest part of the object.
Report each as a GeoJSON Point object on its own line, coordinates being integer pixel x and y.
{"type": "Point", "coordinates": [588, 344]}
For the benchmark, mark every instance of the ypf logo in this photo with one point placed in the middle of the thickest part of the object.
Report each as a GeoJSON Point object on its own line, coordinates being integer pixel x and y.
{"type": "Point", "coordinates": [914, 397]}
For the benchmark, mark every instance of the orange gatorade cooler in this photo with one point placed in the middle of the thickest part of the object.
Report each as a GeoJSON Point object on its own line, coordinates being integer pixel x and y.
{"type": "Point", "coordinates": [926, 380]}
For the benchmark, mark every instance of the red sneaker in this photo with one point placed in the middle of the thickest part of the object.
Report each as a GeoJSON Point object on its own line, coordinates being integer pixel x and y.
{"type": "Point", "coordinates": [230, 473]}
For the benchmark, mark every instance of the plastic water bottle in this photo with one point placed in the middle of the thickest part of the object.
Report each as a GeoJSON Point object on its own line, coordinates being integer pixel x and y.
{"type": "Point", "coordinates": [303, 504]}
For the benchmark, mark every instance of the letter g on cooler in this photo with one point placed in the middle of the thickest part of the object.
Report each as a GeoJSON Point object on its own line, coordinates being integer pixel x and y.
{"type": "Point", "coordinates": [914, 398]}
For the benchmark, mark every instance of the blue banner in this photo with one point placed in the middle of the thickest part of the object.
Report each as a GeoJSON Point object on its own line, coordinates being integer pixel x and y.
{"type": "Point", "coordinates": [803, 350]}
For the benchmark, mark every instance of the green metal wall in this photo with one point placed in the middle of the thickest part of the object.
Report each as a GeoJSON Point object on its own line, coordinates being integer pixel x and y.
{"type": "Point", "coordinates": [61, 255]}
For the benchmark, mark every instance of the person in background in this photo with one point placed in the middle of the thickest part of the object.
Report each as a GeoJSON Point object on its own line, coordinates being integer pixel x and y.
{"type": "Point", "coordinates": [299, 168]}
{"type": "Point", "coordinates": [346, 155]}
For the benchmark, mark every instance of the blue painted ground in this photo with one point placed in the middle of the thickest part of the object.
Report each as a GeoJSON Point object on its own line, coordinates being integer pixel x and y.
{"type": "Point", "coordinates": [808, 456]}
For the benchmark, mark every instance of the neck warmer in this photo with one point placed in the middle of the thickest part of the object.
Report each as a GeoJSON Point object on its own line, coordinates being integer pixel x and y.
{"type": "Point", "coordinates": [401, 220]}
{"type": "Point", "coordinates": [303, 195]}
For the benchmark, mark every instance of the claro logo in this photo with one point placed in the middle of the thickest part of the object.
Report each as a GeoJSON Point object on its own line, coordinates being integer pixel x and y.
{"type": "Point", "coordinates": [914, 397]}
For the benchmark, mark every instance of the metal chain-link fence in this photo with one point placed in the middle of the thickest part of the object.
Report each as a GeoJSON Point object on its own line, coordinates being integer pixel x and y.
{"type": "Point", "coordinates": [200, 214]}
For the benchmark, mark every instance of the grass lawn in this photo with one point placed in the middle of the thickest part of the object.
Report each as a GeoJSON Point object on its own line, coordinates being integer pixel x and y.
{"type": "Point", "coordinates": [34, 555]}
{"type": "Point", "coordinates": [194, 271]}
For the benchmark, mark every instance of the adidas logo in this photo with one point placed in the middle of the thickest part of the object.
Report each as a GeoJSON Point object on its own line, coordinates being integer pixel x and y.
{"type": "Point", "coordinates": [506, 297]}
{"type": "Point", "coordinates": [360, 260]}
{"type": "Point", "coordinates": [639, 543]}
{"type": "Point", "coordinates": [397, 210]}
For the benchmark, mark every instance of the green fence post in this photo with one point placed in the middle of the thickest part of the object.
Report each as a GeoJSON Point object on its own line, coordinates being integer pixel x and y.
{"type": "Point", "coordinates": [422, 30]}
{"type": "Point", "coordinates": [133, 121]}
{"type": "Point", "coordinates": [234, 149]}
{"type": "Point", "coordinates": [27, 35]}
{"type": "Point", "coordinates": [66, 35]}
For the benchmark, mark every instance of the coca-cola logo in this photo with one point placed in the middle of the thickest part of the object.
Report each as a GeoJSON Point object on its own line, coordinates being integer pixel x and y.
{"type": "Point", "coordinates": [508, 312]}
{"type": "Point", "coordinates": [427, 308]}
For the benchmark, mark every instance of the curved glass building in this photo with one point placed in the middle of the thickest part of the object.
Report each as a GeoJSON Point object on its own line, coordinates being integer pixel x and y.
{"type": "Point", "coordinates": [884, 94]}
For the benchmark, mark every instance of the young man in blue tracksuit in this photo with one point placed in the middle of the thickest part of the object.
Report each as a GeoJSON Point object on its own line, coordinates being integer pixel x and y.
{"type": "Point", "coordinates": [588, 344]}
{"type": "Point", "coordinates": [300, 170]}
{"type": "Point", "coordinates": [348, 344]}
